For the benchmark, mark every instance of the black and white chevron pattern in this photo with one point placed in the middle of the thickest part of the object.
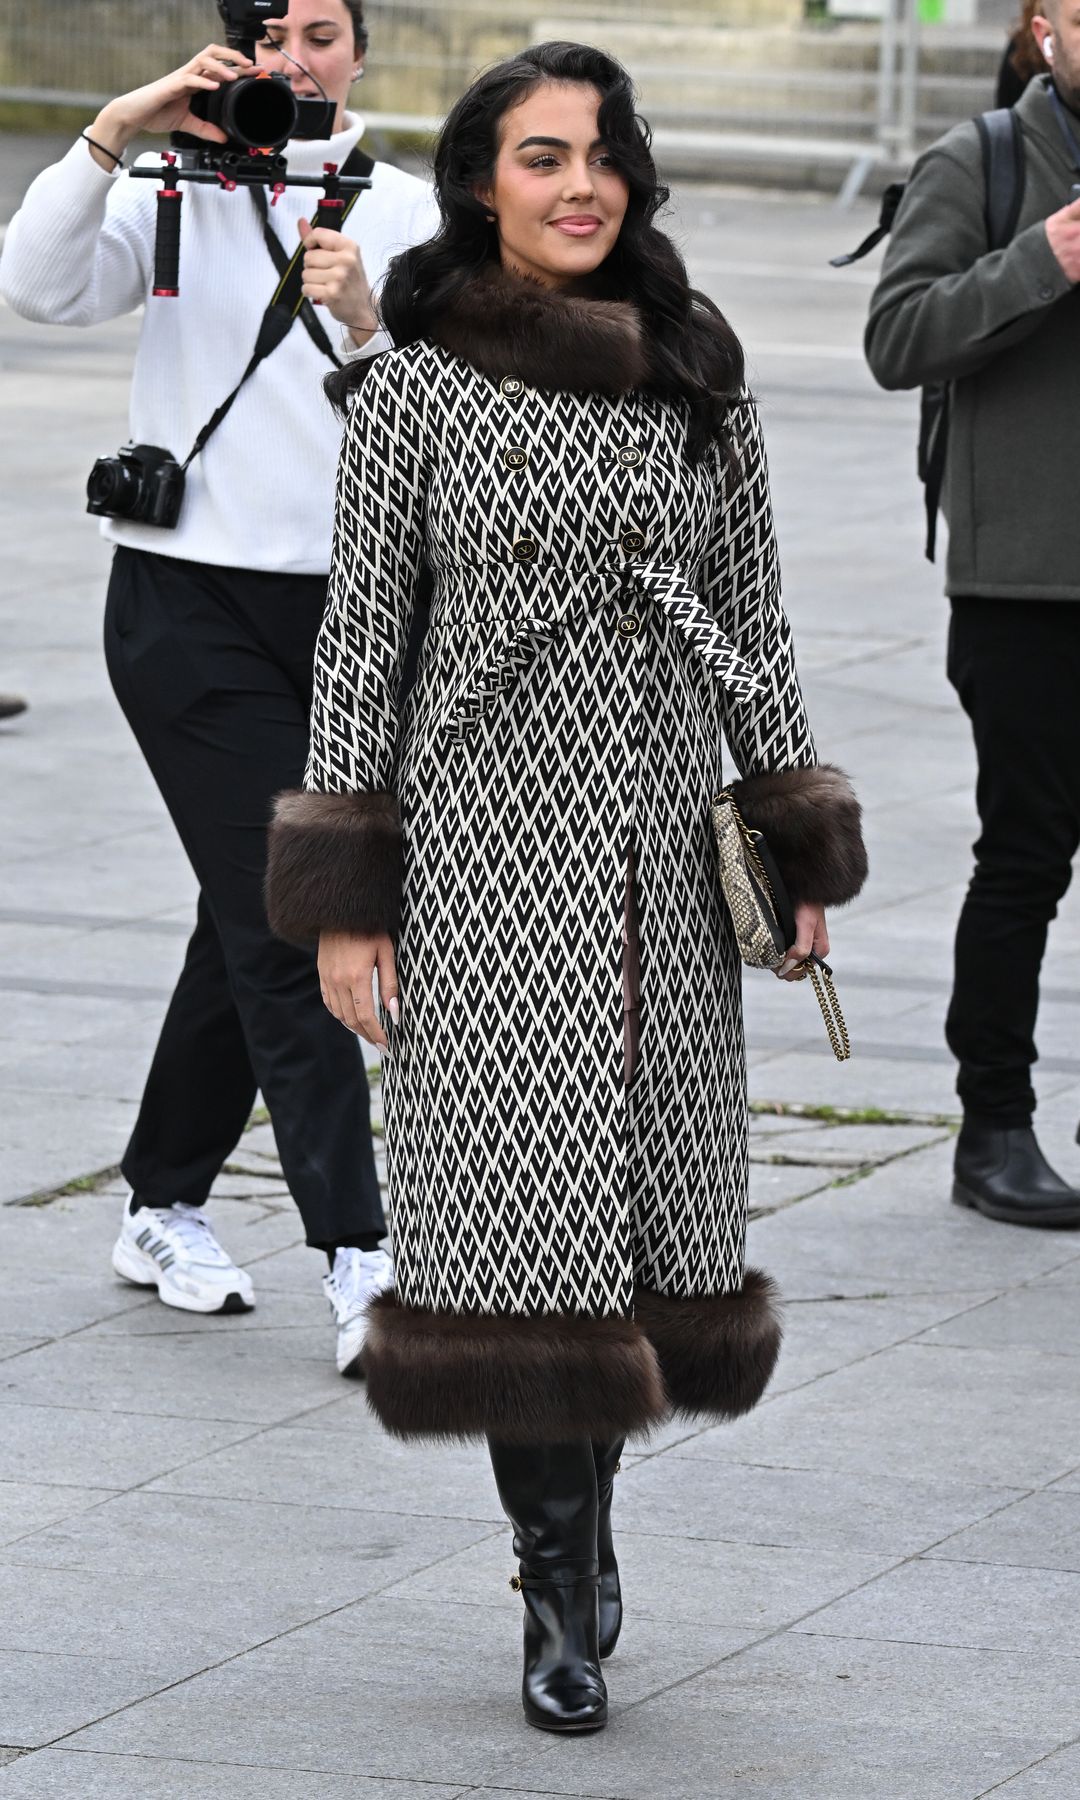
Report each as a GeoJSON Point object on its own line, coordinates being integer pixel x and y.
{"type": "Point", "coordinates": [604, 615]}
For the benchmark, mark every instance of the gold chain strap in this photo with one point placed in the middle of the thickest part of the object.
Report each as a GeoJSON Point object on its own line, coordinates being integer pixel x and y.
{"type": "Point", "coordinates": [830, 1011]}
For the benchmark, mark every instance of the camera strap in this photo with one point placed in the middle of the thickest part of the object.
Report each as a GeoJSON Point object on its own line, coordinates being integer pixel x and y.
{"type": "Point", "coordinates": [288, 301]}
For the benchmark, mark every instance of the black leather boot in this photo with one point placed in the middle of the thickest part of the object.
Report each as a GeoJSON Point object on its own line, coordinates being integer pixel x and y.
{"type": "Point", "coordinates": [548, 1492]}
{"type": "Point", "coordinates": [1003, 1174]}
{"type": "Point", "coordinates": [606, 1458]}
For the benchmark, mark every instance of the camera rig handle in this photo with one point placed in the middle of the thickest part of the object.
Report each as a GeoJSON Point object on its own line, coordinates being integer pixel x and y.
{"type": "Point", "coordinates": [231, 173]}
{"type": "Point", "coordinates": [167, 233]}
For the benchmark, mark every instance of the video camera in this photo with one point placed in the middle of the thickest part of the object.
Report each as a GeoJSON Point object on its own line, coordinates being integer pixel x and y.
{"type": "Point", "coordinates": [256, 112]}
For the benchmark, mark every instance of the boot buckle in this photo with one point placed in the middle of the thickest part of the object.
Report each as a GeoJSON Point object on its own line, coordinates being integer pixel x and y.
{"type": "Point", "coordinates": [516, 1583]}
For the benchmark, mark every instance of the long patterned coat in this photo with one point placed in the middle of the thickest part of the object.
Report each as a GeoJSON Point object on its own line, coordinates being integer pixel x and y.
{"type": "Point", "coordinates": [568, 1247]}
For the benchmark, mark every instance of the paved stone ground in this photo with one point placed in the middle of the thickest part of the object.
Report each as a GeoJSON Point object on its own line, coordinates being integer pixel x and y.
{"type": "Point", "coordinates": [219, 1578]}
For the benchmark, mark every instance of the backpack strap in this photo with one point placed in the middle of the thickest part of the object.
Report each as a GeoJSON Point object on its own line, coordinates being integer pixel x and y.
{"type": "Point", "coordinates": [1004, 169]}
{"type": "Point", "coordinates": [890, 202]}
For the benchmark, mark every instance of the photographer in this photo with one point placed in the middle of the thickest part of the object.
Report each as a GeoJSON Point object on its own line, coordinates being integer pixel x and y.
{"type": "Point", "coordinates": [210, 628]}
{"type": "Point", "coordinates": [1001, 327]}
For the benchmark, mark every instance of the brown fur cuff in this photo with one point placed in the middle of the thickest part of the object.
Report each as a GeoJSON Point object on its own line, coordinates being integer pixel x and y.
{"type": "Point", "coordinates": [523, 1380]}
{"type": "Point", "coordinates": [334, 865]}
{"type": "Point", "coordinates": [717, 1355]}
{"type": "Point", "coordinates": [812, 823]}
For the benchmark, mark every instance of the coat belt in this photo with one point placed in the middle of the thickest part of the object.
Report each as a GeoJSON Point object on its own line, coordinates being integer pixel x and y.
{"type": "Point", "coordinates": [515, 641]}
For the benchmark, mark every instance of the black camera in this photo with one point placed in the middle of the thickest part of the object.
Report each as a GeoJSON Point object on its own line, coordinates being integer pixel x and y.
{"type": "Point", "coordinates": [260, 111]}
{"type": "Point", "coordinates": [142, 482]}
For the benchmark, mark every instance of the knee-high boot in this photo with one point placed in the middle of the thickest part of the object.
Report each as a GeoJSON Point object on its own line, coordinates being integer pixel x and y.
{"type": "Point", "coordinates": [548, 1492]}
{"type": "Point", "coordinates": [606, 1457]}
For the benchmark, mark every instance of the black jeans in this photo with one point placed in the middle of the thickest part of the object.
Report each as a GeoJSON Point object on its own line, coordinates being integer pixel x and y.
{"type": "Point", "coordinates": [213, 669]}
{"type": "Point", "coordinates": [1016, 667]}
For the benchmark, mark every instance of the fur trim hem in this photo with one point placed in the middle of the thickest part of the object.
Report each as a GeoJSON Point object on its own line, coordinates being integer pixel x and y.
{"type": "Point", "coordinates": [506, 324]}
{"type": "Point", "coordinates": [717, 1355]}
{"type": "Point", "coordinates": [812, 823]}
{"type": "Point", "coordinates": [334, 864]}
{"type": "Point", "coordinates": [529, 1379]}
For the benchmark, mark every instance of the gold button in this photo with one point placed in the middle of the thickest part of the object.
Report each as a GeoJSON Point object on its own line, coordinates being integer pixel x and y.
{"type": "Point", "coordinates": [628, 625]}
{"type": "Point", "coordinates": [524, 549]}
{"type": "Point", "coordinates": [515, 459]}
{"type": "Point", "coordinates": [632, 542]}
{"type": "Point", "coordinates": [630, 456]}
{"type": "Point", "coordinates": [511, 386]}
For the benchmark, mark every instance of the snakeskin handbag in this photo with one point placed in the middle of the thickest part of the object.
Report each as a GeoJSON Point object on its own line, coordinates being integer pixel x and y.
{"type": "Point", "coordinates": [762, 913]}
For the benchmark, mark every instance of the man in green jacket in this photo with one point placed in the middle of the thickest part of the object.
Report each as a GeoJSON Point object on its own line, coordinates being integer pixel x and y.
{"type": "Point", "coordinates": [1003, 328]}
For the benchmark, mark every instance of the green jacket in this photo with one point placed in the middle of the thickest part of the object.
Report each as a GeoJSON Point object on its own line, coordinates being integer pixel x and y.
{"type": "Point", "coordinates": [1004, 327]}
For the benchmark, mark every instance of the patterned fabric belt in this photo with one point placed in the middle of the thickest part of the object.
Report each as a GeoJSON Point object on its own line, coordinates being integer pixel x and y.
{"type": "Point", "coordinates": [515, 636]}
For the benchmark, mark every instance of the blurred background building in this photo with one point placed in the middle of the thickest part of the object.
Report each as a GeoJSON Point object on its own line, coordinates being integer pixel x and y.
{"type": "Point", "coordinates": [818, 91]}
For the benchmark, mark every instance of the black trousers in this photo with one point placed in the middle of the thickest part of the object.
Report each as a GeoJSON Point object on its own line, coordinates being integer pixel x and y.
{"type": "Point", "coordinates": [1016, 667]}
{"type": "Point", "coordinates": [213, 669]}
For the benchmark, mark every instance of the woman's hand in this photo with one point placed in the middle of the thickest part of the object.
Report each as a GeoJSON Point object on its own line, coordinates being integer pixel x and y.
{"type": "Point", "coordinates": [347, 964]}
{"type": "Point", "coordinates": [165, 105]}
{"type": "Point", "coordinates": [811, 933]}
{"type": "Point", "coordinates": [334, 276]}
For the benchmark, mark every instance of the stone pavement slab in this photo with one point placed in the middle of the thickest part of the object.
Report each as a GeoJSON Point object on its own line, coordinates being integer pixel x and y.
{"type": "Point", "coordinates": [849, 1721]}
{"type": "Point", "coordinates": [60, 1774]}
{"type": "Point", "coordinates": [359, 1471]}
{"type": "Point", "coordinates": [913, 1410]}
{"type": "Point", "coordinates": [1057, 1777]}
{"type": "Point", "coordinates": [867, 1515]}
{"type": "Point", "coordinates": [116, 1449]}
{"type": "Point", "coordinates": [1037, 1531]}
{"type": "Point", "coordinates": [970, 1605]}
{"type": "Point", "coordinates": [825, 1332]}
{"type": "Point", "coordinates": [749, 1587]}
{"type": "Point", "coordinates": [28, 1506]}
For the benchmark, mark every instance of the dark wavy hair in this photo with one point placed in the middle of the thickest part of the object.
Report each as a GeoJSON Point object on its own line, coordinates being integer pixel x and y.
{"type": "Point", "coordinates": [355, 10]}
{"type": "Point", "coordinates": [694, 355]}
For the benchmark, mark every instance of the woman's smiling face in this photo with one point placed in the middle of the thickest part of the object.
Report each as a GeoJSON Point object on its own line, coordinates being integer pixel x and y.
{"type": "Point", "coordinates": [558, 201]}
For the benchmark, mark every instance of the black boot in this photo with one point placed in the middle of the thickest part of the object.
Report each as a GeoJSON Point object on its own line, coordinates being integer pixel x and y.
{"type": "Point", "coordinates": [606, 1458]}
{"type": "Point", "coordinates": [548, 1492]}
{"type": "Point", "coordinates": [1003, 1174]}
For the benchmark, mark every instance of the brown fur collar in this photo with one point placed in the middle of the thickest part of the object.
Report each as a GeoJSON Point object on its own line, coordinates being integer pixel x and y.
{"type": "Point", "coordinates": [511, 325]}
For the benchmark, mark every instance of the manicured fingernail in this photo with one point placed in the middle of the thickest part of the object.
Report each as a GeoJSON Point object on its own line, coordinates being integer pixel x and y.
{"type": "Point", "coordinates": [792, 963]}
{"type": "Point", "coordinates": [393, 1009]}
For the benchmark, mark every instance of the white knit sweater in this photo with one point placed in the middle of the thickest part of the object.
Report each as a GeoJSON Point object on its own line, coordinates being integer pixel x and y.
{"type": "Point", "coordinates": [80, 250]}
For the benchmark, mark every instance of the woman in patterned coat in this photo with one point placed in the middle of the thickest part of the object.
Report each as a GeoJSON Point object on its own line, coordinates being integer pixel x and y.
{"type": "Point", "coordinates": [520, 849]}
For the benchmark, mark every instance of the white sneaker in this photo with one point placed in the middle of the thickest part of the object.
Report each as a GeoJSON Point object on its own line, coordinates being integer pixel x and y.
{"type": "Point", "coordinates": [173, 1249]}
{"type": "Point", "coordinates": [356, 1278]}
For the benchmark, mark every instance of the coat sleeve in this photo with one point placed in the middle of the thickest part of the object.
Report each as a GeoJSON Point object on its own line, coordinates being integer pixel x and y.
{"type": "Point", "coordinates": [808, 812]}
{"type": "Point", "coordinates": [335, 857]}
{"type": "Point", "coordinates": [80, 248]}
{"type": "Point", "coordinates": [946, 305]}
